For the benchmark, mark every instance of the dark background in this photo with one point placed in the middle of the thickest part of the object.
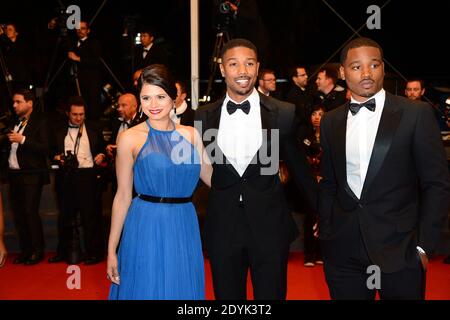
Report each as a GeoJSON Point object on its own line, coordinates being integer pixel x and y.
{"type": "Point", "coordinates": [414, 36]}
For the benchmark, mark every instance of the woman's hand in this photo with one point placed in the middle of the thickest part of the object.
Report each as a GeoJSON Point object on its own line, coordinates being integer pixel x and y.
{"type": "Point", "coordinates": [112, 272]}
{"type": "Point", "coordinates": [3, 254]}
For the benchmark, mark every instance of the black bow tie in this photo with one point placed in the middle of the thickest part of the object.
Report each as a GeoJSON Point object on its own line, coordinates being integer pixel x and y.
{"type": "Point", "coordinates": [73, 126]}
{"type": "Point", "coordinates": [369, 104]}
{"type": "Point", "coordinates": [125, 123]}
{"type": "Point", "coordinates": [232, 107]}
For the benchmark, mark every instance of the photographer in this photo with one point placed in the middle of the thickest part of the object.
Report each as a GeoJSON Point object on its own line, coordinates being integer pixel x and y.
{"type": "Point", "coordinates": [85, 56]}
{"type": "Point", "coordinates": [28, 173]}
{"type": "Point", "coordinates": [16, 69]}
{"type": "Point", "coordinates": [78, 148]}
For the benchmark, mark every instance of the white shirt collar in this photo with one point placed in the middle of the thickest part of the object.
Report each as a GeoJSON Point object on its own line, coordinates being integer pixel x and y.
{"type": "Point", "coordinates": [253, 98]}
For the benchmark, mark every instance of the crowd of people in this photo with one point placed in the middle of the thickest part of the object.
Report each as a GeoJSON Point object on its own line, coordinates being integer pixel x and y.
{"type": "Point", "coordinates": [357, 160]}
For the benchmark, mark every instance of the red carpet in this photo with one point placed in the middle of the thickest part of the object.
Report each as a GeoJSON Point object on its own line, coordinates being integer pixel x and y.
{"type": "Point", "coordinates": [48, 281]}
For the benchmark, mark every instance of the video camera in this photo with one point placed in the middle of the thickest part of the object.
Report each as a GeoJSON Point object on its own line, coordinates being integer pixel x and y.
{"type": "Point", "coordinates": [112, 95]}
{"type": "Point", "coordinates": [6, 126]}
{"type": "Point", "coordinates": [228, 11]}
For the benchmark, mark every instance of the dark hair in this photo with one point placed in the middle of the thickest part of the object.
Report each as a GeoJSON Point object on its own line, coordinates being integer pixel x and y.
{"type": "Point", "coordinates": [12, 24]}
{"type": "Point", "coordinates": [158, 75]}
{"type": "Point", "coordinates": [330, 72]}
{"type": "Point", "coordinates": [238, 42]}
{"type": "Point", "coordinates": [293, 70]}
{"type": "Point", "coordinates": [183, 87]}
{"type": "Point", "coordinates": [75, 101]}
{"type": "Point", "coordinates": [87, 23]}
{"type": "Point", "coordinates": [27, 94]}
{"type": "Point", "coordinates": [317, 107]}
{"type": "Point", "coordinates": [264, 72]}
{"type": "Point", "coordinates": [358, 43]}
{"type": "Point", "coordinates": [149, 30]}
{"type": "Point", "coordinates": [422, 83]}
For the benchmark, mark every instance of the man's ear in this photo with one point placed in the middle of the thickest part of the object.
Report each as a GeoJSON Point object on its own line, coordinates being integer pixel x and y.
{"type": "Point", "coordinates": [222, 71]}
{"type": "Point", "coordinates": [341, 72]}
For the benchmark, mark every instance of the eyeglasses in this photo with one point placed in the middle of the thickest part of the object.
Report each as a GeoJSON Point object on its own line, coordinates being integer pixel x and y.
{"type": "Point", "coordinates": [301, 75]}
{"type": "Point", "coordinates": [271, 80]}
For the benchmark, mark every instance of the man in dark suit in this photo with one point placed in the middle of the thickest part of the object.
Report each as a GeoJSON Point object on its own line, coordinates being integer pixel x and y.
{"type": "Point", "coordinates": [300, 94]}
{"type": "Point", "coordinates": [182, 113]}
{"type": "Point", "coordinates": [329, 94]}
{"type": "Point", "coordinates": [76, 182]}
{"type": "Point", "coordinates": [248, 224]}
{"type": "Point", "coordinates": [28, 172]}
{"type": "Point", "coordinates": [129, 116]}
{"type": "Point", "coordinates": [85, 56]}
{"type": "Point", "coordinates": [148, 52]}
{"type": "Point", "coordinates": [385, 188]}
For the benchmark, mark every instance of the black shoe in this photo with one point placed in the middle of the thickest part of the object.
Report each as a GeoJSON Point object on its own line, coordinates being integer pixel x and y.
{"type": "Point", "coordinates": [309, 261]}
{"type": "Point", "coordinates": [21, 258]}
{"type": "Point", "coordinates": [57, 258]}
{"type": "Point", "coordinates": [34, 259]}
{"type": "Point", "coordinates": [447, 260]}
{"type": "Point", "coordinates": [93, 260]}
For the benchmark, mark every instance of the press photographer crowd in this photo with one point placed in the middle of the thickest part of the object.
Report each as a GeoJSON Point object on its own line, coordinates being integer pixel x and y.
{"type": "Point", "coordinates": [61, 110]}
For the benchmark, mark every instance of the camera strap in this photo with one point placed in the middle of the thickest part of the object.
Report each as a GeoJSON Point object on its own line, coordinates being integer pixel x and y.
{"type": "Point", "coordinates": [77, 140]}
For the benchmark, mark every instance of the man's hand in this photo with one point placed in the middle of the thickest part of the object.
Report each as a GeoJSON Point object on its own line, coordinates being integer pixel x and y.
{"type": "Point", "coordinates": [424, 259]}
{"type": "Point", "coordinates": [316, 229]}
{"type": "Point", "coordinates": [72, 56]}
{"type": "Point", "coordinates": [15, 137]}
{"type": "Point", "coordinates": [99, 159]}
{"type": "Point", "coordinates": [3, 253]}
{"type": "Point", "coordinates": [110, 148]}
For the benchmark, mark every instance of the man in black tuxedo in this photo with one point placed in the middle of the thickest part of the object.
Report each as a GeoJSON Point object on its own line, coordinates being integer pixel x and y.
{"type": "Point", "coordinates": [182, 113]}
{"type": "Point", "coordinates": [385, 188]}
{"type": "Point", "coordinates": [85, 57]}
{"type": "Point", "coordinates": [129, 116]}
{"type": "Point", "coordinates": [148, 52]}
{"type": "Point", "coordinates": [248, 224]}
{"type": "Point", "coordinates": [76, 182]}
{"type": "Point", "coordinates": [28, 172]}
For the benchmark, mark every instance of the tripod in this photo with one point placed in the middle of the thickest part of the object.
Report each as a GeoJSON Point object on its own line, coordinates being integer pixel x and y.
{"type": "Point", "coordinates": [221, 38]}
{"type": "Point", "coordinates": [8, 79]}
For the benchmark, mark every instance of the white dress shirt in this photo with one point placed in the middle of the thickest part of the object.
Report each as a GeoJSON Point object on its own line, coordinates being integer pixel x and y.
{"type": "Point", "coordinates": [144, 52]}
{"type": "Point", "coordinates": [175, 113]}
{"type": "Point", "coordinates": [12, 160]}
{"type": "Point", "coordinates": [360, 138]}
{"type": "Point", "coordinates": [81, 41]}
{"type": "Point", "coordinates": [240, 134]}
{"type": "Point", "coordinates": [84, 154]}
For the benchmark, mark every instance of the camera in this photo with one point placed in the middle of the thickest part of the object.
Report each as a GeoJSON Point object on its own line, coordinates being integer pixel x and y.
{"type": "Point", "coordinates": [112, 95]}
{"type": "Point", "coordinates": [69, 162]}
{"type": "Point", "coordinates": [6, 126]}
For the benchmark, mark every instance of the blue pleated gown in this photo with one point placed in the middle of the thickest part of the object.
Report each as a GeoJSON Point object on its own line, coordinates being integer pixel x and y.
{"type": "Point", "coordinates": [160, 254]}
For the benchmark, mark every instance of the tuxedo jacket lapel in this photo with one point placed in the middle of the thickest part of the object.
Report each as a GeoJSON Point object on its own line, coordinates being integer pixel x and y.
{"type": "Point", "coordinates": [389, 122]}
{"type": "Point", "coordinates": [340, 134]}
{"type": "Point", "coordinates": [214, 123]}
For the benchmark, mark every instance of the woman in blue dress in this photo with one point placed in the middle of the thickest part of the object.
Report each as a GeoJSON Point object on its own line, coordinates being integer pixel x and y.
{"type": "Point", "coordinates": [160, 253]}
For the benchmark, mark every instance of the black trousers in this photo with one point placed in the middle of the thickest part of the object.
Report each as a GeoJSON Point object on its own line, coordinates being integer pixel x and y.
{"type": "Point", "coordinates": [268, 269]}
{"type": "Point", "coordinates": [25, 199]}
{"type": "Point", "coordinates": [78, 192]}
{"type": "Point", "coordinates": [352, 280]}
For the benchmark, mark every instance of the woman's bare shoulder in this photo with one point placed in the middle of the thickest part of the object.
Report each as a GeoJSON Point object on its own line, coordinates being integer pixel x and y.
{"type": "Point", "coordinates": [190, 133]}
{"type": "Point", "coordinates": [133, 135]}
